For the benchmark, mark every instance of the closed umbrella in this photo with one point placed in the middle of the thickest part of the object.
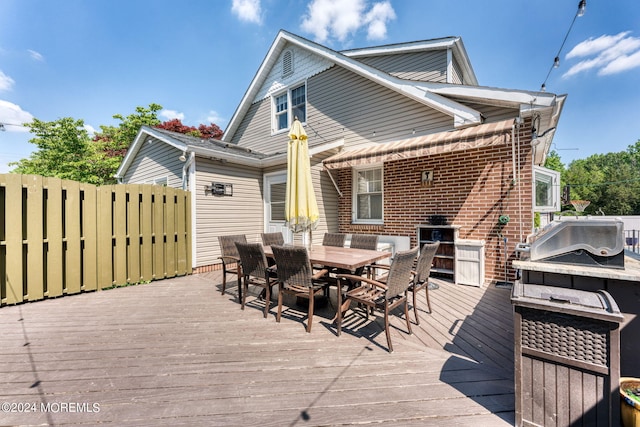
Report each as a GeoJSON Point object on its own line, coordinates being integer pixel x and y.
{"type": "Point", "coordinates": [301, 208]}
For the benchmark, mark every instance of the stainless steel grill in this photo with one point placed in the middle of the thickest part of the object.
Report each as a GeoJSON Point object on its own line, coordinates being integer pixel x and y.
{"type": "Point", "coordinates": [585, 241]}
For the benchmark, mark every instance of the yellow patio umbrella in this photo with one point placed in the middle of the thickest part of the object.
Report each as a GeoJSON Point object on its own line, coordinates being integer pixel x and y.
{"type": "Point", "coordinates": [301, 208]}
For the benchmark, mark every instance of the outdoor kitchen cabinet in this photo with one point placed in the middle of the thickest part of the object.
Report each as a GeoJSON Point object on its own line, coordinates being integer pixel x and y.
{"type": "Point", "coordinates": [567, 356]}
{"type": "Point", "coordinates": [444, 262]}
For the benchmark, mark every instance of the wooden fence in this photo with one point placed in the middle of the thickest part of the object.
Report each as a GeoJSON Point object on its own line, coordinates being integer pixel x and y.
{"type": "Point", "coordinates": [60, 237]}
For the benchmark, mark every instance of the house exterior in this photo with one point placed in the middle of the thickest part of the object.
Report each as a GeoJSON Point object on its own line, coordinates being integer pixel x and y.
{"type": "Point", "coordinates": [397, 133]}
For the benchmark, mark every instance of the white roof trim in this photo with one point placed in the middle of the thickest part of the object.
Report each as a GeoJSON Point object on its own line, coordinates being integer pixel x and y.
{"type": "Point", "coordinates": [231, 157]}
{"type": "Point", "coordinates": [462, 115]}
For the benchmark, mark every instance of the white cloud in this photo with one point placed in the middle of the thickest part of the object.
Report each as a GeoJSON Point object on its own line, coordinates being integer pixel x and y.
{"type": "Point", "coordinates": [90, 130]}
{"type": "Point", "coordinates": [171, 114]}
{"type": "Point", "coordinates": [36, 55]}
{"type": "Point", "coordinates": [620, 64]}
{"type": "Point", "coordinates": [613, 54]}
{"type": "Point", "coordinates": [14, 116]}
{"type": "Point", "coordinates": [339, 19]}
{"type": "Point", "coordinates": [6, 82]}
{"type": "Point", "coordinates": [377, 19]}
{"type": "Point", "coordinates": [215, 118]}
{"type": "Point", "coordinates": [247, 10]}
{"type": "Point", "coordinates": [593, 46]}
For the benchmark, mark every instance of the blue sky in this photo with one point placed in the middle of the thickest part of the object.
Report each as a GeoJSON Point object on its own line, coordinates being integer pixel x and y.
{"type": "Point", "coordinates": [91, 59]}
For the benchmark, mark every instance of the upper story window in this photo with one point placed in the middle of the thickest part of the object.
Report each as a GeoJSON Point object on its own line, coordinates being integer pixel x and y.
{"type": "Point", "coordinates": [547, 190]}
{"type": "Point", "coordinates": [367, 196]}
{"type": "Point", "coordinates": [290, 104]}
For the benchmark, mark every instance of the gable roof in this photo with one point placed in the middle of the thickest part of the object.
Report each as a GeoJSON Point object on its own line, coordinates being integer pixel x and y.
{"type": "Point", "coordinates": [463, 115]}
{"type": "Point", "coordinates": [440, 96]}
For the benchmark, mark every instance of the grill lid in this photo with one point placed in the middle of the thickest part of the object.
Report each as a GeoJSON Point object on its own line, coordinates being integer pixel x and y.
{"type": "Point", "coordinates": [588, 241]}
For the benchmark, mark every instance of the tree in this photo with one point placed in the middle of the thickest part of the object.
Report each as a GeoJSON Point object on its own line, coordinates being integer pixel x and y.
{"type": "Point", "coordinates": [554, 162]}
{"type": "Point", "coordinates": [202, 131]}
{"type": "Point", "coordinates": [65, 151]}
{"type": "Point", "coordinates": [611, 182]}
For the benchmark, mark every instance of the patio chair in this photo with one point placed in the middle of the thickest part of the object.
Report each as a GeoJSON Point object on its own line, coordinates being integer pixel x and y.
{"type": "Point", "coordinates": [385, 297]}
{"type": "Point", "coordinates": [364, 241]}
{"type": "Point", "coordinates": [360, 241]}
{"type": "Point", "coordinates": [334, 239]}
{"type": "Point", "coordinates": [421, 275]}
{"type": "Point", "coordinates": [269, 239]}
{"type": "Point", "coordinates": [255, 271]}
{"type": "Point", "coordinates": [296, 277]}
{"type": "Point", "coordinates": [229, 256]}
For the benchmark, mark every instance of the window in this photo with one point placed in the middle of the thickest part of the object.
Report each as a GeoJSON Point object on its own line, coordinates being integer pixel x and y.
{"type": "Point", "coordinates": [164, 181]}
{"type": "Point", "coordinates": [288, 105]}
{"type": "Point", "coordinates": [546, 189]}
{"type": "Point", "coordinates": [367, 196]}
{"type": "Point", "coordinates": [278, 194]}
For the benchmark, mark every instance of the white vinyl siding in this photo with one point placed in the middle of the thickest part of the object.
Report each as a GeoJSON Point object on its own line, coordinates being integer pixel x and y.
{"type": "Point", "coordinates": [156, 162]}
{"type": "Point", "coordinates": [419, 66]}
{"type": "Point", "coordinates": [339, 105]}
{"type": "Point", "coordinates": [219, 215]}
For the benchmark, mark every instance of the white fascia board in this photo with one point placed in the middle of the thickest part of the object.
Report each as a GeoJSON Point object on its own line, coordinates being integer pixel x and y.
{"type": "Point", "coordinates": [134, 148]}
{"type": "Point", "coordinates": [461, 52]}
{"type": "Point", "coordinates": [462, 114]}
{"type": "Point", "coordinates": [272, 160]}
{"type": "Point", "coordinates": [401, 48]}
{"type": "Point", "coordinates": [281, 158]}
{"type": "Point", "coordinates": [508, 96]}
{"type": "Point", "coordinates": [255, 85]}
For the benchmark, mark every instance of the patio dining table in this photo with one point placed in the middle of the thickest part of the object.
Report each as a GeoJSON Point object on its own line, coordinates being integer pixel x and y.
{"type": "Point", "coordinates": [351, 259]}
{"type": "Point", "coordinates": [340, 257]}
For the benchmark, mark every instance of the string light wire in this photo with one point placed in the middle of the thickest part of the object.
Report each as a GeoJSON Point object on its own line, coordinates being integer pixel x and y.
{"type": "Point", "coordinates": [556, 61]}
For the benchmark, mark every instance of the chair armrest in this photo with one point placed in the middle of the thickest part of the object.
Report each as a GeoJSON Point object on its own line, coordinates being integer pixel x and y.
{"type": "Point", "coordinates": [228, 258]}
{"type": "Point", "coordinates": [318, 274]}
{"type": "Point", "coordinates": [363, 279]}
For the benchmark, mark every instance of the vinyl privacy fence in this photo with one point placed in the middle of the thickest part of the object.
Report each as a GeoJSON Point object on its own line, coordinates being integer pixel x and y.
{"type": "Point", "coordinates": [60, 237]}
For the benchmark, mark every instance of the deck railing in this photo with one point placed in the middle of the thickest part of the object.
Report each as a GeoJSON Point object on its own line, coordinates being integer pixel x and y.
{"type": "Point", "coordinates": [632, 240]}
{"type": "Point", "coordinates": [60, 237]}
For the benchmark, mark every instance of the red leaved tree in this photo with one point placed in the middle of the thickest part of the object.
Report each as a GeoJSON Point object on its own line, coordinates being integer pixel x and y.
{"type": "Point", "coordinates": [202, 131]}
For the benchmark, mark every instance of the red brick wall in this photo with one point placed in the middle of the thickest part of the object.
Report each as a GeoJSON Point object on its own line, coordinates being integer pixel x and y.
{"type": "Point", "coordinates": [472, 188]}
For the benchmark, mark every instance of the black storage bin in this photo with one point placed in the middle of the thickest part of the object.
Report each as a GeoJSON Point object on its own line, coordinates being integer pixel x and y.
{"type": "Point", "coordinates": [567, 356]}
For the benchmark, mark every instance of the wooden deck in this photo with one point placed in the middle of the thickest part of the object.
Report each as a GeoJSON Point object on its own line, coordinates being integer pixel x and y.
{"type": "Point", "coordinates": [176, 352]}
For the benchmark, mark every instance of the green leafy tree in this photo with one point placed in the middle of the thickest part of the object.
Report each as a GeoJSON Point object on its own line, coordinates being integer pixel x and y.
{"type": "Point", "coordinates": [611, 182]}
{"type": "Point", "coordinates": [65, 151]}
{"type": "Point", "coordinates": [115, 140]}
{"type": "Point", "coordinates": [554, 162]}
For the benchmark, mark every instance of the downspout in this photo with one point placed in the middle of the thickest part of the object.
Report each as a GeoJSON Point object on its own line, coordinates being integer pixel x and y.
{"type": "Point", "coordinates": [189, 184]}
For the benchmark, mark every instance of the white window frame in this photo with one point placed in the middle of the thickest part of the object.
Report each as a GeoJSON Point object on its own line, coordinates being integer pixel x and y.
{"type": "Point", "coordinates": [542, 174]}
{"type": "Point", "coordinates": [161, 180]}
{"type": "Point", "coordinates": [354, 201]}
{"type": "Point", "coordinates": [289, 113]}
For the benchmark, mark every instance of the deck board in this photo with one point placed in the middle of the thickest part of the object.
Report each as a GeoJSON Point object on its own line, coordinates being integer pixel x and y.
{"type": "Point", "coordinates": [177, 352]}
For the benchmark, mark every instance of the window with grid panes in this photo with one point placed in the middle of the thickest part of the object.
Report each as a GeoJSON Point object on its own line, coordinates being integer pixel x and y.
{"type": "Point", "coordinates": [368, 195]}
{"type": "Point", "coordinates": [288, 105]}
